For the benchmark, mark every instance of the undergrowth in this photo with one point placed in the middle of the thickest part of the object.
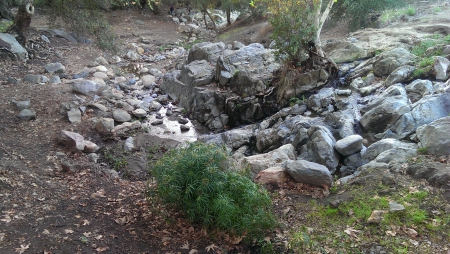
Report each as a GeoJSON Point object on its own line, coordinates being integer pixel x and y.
{"type": "Point", "coordinates": [198, 180]}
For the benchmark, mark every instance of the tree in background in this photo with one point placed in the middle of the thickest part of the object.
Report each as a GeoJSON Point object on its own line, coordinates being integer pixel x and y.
{"type": "Point", "coordinates": [297, 26]}
{"type": "Point", "coordinates": [230, 5]}
{"type": "Point", "coordinates": [359, 12]}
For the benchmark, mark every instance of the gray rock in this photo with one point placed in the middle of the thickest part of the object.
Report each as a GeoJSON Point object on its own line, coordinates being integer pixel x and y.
{"type": "Point", "coordinates": [157, 122]}
{"type": "Point", "coordinates": [55, 68]}
{"type": "Point", "coordinates": [139, 113]}
{"type": "Point", "coordinates": [354, 161]}
{"type": "Point", "coordinates": [437, 174]}
{"type": "Point", "coordinates": [121, 115]}
{"type": "Point", "coordinates": [435, 136]}
{"type": "Point", "coordinates": [129, 144]}
{"type": "Point", "coordinates": [90, 147]}
{"type": "Point", "coordinates": [395, 207]}
{"type": "Point", "coordinates": [419, 88]}
{"type": "Point", "coordinates": [183, 120]}
{"type": "Point", "coordinates": [297, 109]}
{"type": "Point", "coordinates": [55, 80]}
{"type": "Point", "coordinates": [184, 127]}
{"type": "Point", "coordinates": [440, 67]}
{"type": "Point", "coordinates": [101, 61]}
{"type": "Point", "coordinates": [385, 111]}
{"type": "Point", "coordinates": [73, 141]}
{"type": "Point", "coordinates": [321, 147]}
{"type": "Point", "coordinates": [148, 80]}
{"type": "Point", "coordinates": [387, 144]}
{"type": "Point", "coordinates": [431, 108]}
{"type": "Point", "coordinates": [125, 127]}
{"type": "Point", "coordinates": [20, 105]}
{"type": "Point", "coordinates": [74, 115]}
{"type": "Point", "coordinates": [155, 106]}
{"type": "Point", "coordinates": [403, 127]}
{"type": "Point", "coordinates": [87, 87]}
{"type": "Point", "coordinates": [8, 41]}
{"type": "Point", "coordinates": [132, 55]}
{"type": "Point", "coordinates": [93, 157]}
{"type": "Point", "coordinates": [224, 77]}
{"type": "Point", "coordinates": [104, 125]}
{"type": "Point", "coordinates": [342, 51]}
{"type": "Point", "coordinates": [35, 79]}
{"type": "Point", "coordinates": [388, 61]}
{"type": "Point", "coordinates": [100, 75]}
{"type": "Point", "coordinates": [309, 172]}
{"type": "Point", "coordinates": [349, 145]}
{"type": "Point", "coordinates": [27, 114]}
{"type": "Point", "coordinates": [399, 75]}
{"type": "Point", "coordinates": [277, 157]}
{"type": "Point", "coordinates": [206, 51]}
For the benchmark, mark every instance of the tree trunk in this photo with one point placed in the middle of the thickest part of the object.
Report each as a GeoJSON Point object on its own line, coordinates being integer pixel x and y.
{"type": "Point", "coordinates": [319, 21]}
{"type": "Point", "coordinates": [22, 20]}
{"type": "Point", "coordinates": [229, 16]}
{"type": "Point", "coordinates": [210, 17]}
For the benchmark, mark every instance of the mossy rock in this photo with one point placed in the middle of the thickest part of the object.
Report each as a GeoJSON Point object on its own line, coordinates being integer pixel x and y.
{"type": "Point", "coordinates": [5, 25]}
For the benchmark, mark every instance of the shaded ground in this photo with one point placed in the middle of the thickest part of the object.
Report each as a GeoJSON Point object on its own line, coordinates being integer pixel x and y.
{"type": "Point", "coordinates": [43, 210]}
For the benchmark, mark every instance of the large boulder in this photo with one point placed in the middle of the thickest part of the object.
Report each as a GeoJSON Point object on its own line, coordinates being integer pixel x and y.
{"type": "Point", "coordinates": [349, 145]}
{"type": "Point", "coordinates": [419, 88]}
{"type": "Point", "coordinates": [384, 111]}
{"type": "Point", "coordinates": [430, 108]}
{"type": "Point", "coordinates": [206, 51]}
{"type": "Point", "coordinates": [437, 174]}
{"type": "Point", "coordinates": [343, 51]}
{"type": "Point", "coordinates": [399, 75]}
{"type": "Point", "coordinates": [12, 45]}
{"type": "Point", "coordinates": [277, 157]}
{"type": "Point", "coordinates": [309, 172]}
{"type": "Point", "coordinates": [388, 61]}
{"type": "Point", "coordinates": [250, 67]}
{"type": "Point", "coordinates": [388, 144]}
{"type": "Point", "coordinates": [320, 147]}
{"type": "Point", "coordinates": [435, 136]}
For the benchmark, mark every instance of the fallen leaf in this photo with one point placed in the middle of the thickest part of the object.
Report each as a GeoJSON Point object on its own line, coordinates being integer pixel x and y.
{"type": "Point", "coordinates": [352, 232]}
{"type": "Point", "coordinates": [85, 222]}
{"type": "Point", "coordinates": [68, 231]}
{"type": "Point", "coordinates": [98, 237]}
{"type": "Point", "coordinates": [87, 234]}
{"type": "Point", "coordinates": [411, 232]}
{"type": "Point", "coordinates": [193, 251]}
{"type": "Point", "coordinates": [211, 247]}
{"type": "Point", "coordinates": [22, 248]}
{"type": "Point", "coordinates": [101, 249]}
{"type": "Point", "coordinates": [185, 246]}
{"type": "Point", "coordinates": [391, 233]}
{"type": "Point", "coordinates": [191, 230]}
{"type": "Point", "coordinates": [46, 232]}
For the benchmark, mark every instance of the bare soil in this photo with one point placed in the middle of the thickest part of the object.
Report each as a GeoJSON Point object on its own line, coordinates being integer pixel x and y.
{"type": "Point", "coordinates": [43, 210]}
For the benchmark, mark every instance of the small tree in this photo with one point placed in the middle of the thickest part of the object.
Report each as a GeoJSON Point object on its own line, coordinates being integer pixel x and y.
{"type": "Point", "coordinates": [297, 26]}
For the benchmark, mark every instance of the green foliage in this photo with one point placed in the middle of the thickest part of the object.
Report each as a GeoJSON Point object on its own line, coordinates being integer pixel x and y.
{"type": "Point", "coordinates": [197, 180]}
{"type": "Point", "coordinates": [293, 32]}
{"type": "Point", "coordinates": [294, 100]}
{"type": "Point", "coordinates": [360, 11]}
{"type": "Point", "coordinates": [420, 49]}
{"type": "Point", "coordinates": [427, 61]}
{"type": "Point", "coordinates": [422, 150]}
{"type": "Point", "coordinates": [437, 9]}
{"type": "Point", "coordinates": [115, 157]}
{"type": "Point", "coordinates": [410, 11]}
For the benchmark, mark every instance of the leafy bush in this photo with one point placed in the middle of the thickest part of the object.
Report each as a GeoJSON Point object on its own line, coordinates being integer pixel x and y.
{"type": "Point", "coordinates": [293, 30]}
{"type": "Point", "coordinates": [196, 180]}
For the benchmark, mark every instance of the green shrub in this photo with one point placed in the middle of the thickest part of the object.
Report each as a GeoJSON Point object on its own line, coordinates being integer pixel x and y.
{"type": "Point", "coordinates": [196, 180]}
{"type": "Point", "coordinates": [293, 31]}
{"type": "Point", "coordinates": [410, 11]}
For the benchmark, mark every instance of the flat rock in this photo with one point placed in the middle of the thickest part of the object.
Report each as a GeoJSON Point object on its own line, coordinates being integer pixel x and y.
{"type": "Point", "coordinates": [27, 114]}
{"type": "Point", "coordinates": [121, 115]}
{"type": "Point", "coordinates": [309, 172]}
{"type": "Point", "coordinates": [349, 145]}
